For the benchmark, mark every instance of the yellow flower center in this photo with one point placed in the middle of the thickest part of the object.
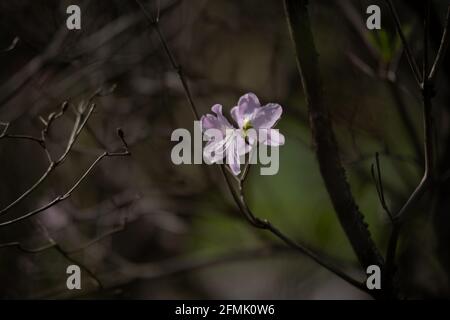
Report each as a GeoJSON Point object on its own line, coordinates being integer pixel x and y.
{"type": "Point", "coordinates": [246, 125]}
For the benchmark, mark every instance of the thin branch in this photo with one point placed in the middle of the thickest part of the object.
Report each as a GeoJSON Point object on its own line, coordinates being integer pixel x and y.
{"type": "Point", "coordinates": [53, 164]}
{"type": "Point", "coordinates": [18, 245]}
{"type": "Point", "coordinates": [154, 23]}
{"type": "Point", "coordinates": [22, 137]}
{"type": "Point", "coordinates": [379, 185]}
{"type": "Point", "coordinates": [66, 195]}
{"type": "Point", "coordinates": [28, 191]}
{"type": "Point", "coordinates": [426, 40]}
{"type": "Point", "coordinates": [428, 178]}
{"type": "Point", "coordinates": [247, 165]}
{"type": "Point", "coordinates": [130, 271]}
{"type": "Point", "coordinates": [266, 225]}
{"type": "Point", "coordinates": [354, 18]}
{"type": "Point", "coordinates": [404, 114]}
{"type": "Point", "coordinates": [411, 60]}
{"type": "Point", "coordinates": [67, 253]}
{"type": "Point", "coordinates": [428, 93]}
{"type": "Point", "coordinates": [10, 88]}
{"type": "Point", "coordinates": [442, 49]}
{"type": "Point", "coordinates": [12, 46]}
{"type": "Point", "coordinates": [83, 115]}
{"type": "Point", "coordinates": [361, 65]}
{"type": "Point", "coordinates": [86, 269]}
{"type": "Point", "coordinates": [57, 247]}
{"type": "Point", "coordinates": [389, 74]}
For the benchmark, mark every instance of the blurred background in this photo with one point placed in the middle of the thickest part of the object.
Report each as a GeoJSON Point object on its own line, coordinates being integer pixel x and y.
{"type": "Point", "coordinates": [141, 227]}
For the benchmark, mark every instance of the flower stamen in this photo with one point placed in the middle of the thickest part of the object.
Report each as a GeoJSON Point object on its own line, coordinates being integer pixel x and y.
{"type": "Point", "coordinates": [246, 125]}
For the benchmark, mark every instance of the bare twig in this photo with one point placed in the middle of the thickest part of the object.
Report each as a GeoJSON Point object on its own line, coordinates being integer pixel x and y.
{"type": "Point", "coordinates": [67, 253]}
{"type": "Point", "coordinates": [442, 49]}
{"type": "Point", "coordinates": [78, 126]}
{"type": "Point", "coordinates": [66, 195]}
{"type": "Point", "coordinates": [404, 114]}
{"type": "Point", "coordinates": [51, 243]}
{"type": "Point", "coordinates": [411, 60]}
{"type": "Point", "coordinates": [21, 78]}
{"type": "Point", "coordinates": [84, 113]}
{"type": "Point", "coordinates": [376, 176]}
{"type": "Point", "coordinates": [427, 88]}
{"type": "Point", "coordinates": [22, 137]}
{"type": "Point", "coordinates": [266, 225]}
{"type": "Point", "coordinates": [131, 272]}
{"type": "Point", "coordinates": [12, 45]}
{"type": "Point", "coordinates": [387, 74]}
{"type": "Point", "coordinates": [428, 93]}
{"type": "Point", "coordinates": [154, 23]}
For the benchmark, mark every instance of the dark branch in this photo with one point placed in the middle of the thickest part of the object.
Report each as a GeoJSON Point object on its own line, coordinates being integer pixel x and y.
{"type": "Point", "coordinates": [327, 152]}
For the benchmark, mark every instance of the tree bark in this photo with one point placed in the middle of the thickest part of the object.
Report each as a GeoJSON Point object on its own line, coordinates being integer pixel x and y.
{"type": "Point", "coordinates": [326, 148]}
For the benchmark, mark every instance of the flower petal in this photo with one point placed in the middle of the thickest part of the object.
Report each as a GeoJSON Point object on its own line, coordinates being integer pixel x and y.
{"type": "Point", "coordinates": [235, 114]}
{"type": "Point", "coordinates": [233, 157]}
{"type": "Point", "coordinates": [209, 122]}
{"type": "Point", "coordinates": [235, 147]}
{"type": "Point", "coordinates": [247, 105]}
{"type": "Point", "coordinates": [271, 137]}
{"type": "Point", "coordinates": [217, 109]}
{"type": "Point", "coordinates": [267, 116]}
{"type": "Point", "coordinates": [218, 122]}
{"type": "Point", "coordinates": [241, 145]}
{"type": "Point", "coordinates": [214, 151]}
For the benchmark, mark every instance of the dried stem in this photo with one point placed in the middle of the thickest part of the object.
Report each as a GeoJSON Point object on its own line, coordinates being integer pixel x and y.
{"type": "Point", "coordinates": [66, 195]}
{"type": "Point", "coordinates": [84, 113]}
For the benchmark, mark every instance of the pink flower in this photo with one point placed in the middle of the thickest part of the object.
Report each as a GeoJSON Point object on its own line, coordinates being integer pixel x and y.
{"type": "Point", "coordinates": [224, 140]}
{"type": "Point", "coordinates": [250, 115]}
{"type": "Point", "coordinates": [254, 124]}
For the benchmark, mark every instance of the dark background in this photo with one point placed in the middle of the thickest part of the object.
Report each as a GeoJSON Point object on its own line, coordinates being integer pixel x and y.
{"type": "Point", "coordinates": [184, 237]}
